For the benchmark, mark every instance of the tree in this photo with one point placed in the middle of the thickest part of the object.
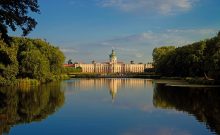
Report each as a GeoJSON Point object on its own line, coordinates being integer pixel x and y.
{"type": "Point", "coordinates": [198, 59]}
{"type": "Point", "coordinates": [53, 54]}
{"type": "Point", "coordinates": [162, 57]}
{"type": "Point", "coordinates": [38, 59]}
{"type": "Point", "coordinates": [70, 61]}
{"type": "Point", "coordinates": [14, 13]}
{"type": "Point", "coordinates": [34, 65]}
{"type": "Point", "coordinates": [8, 64]}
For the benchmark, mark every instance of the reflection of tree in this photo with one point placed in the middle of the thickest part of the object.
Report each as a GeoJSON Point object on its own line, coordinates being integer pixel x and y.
{"type": "Point", "coordinates": [18, 106]}
{"type": "Point", "coordinates": [203, 103]}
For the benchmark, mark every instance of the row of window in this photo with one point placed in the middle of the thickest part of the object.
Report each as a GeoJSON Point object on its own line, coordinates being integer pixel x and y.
{"type": "Point", "coordinates": [115, 69]}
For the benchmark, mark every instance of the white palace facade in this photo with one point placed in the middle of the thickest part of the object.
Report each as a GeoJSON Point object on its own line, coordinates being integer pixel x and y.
{"type": "Point", "coordinates": [113, 66]}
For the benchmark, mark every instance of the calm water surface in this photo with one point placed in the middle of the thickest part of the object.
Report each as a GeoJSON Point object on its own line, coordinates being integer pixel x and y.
{"type": "Point", "coordinates": [109, 107]}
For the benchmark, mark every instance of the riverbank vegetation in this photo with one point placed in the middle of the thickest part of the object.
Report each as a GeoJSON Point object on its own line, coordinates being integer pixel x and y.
{"type": "Point", "coordinates": [199, 59]}
{"type": "Point", "coordinates": [29, 58]}
{"type": "Point", "coordinates": [71, 70]}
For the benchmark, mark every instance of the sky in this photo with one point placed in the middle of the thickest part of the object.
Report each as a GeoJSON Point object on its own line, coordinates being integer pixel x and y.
{"type": "Point", "coordinates": [87, 30]}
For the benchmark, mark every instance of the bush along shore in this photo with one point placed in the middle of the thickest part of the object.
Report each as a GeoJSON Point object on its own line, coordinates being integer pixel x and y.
{"type": "Point", "coordinates": [29, 61]}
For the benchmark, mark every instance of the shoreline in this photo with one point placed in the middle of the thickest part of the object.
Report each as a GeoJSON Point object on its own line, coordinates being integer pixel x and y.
{"type": "Point", "coordinates": [93, 75]}
{"type": "Point", "coordinates": [186, 80]}
{"type": "Point", "coordinates": [184, 83]}
{"type": "Point", "coordinates": [168, 81]}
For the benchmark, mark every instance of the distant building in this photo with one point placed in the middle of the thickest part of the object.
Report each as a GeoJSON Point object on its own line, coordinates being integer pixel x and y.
{"type": "Point", "coordinates": [113, 66]}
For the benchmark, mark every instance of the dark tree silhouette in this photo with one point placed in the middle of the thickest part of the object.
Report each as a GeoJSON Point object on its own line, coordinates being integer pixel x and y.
{"type": "Point", "coordinates": [70, 61]}
{"type": "Point", "coordinates": [14, 14]}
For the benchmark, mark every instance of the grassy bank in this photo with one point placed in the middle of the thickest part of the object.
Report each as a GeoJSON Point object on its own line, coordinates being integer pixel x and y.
{"type": "Point", "coordinates": [27, 82]}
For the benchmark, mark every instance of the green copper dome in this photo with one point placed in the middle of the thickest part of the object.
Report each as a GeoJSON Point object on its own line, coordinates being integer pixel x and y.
{"type": "Point", "coordinates": [112, 54]}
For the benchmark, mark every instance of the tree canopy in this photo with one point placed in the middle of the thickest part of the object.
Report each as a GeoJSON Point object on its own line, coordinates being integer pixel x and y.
{"type": "Point", "coordinates": [29, 58]}
{"type": "Point", "coordinates": [14, 14]}
{"type": "Point", "coordinates": [196, 59]}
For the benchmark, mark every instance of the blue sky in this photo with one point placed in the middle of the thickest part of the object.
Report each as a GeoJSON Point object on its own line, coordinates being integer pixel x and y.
{"type": "Point", "coordinates": [87, 30]}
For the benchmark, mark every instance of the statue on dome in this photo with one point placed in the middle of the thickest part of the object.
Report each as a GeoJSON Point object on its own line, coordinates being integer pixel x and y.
{"type": "Point", "coordinates": [113, 57]}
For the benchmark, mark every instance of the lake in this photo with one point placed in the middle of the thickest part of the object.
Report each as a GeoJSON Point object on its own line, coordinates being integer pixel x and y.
{"type": "Point", "coordinates": [109, 107]}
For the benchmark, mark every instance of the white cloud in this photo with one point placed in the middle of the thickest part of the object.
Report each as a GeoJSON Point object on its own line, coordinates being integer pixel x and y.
{"type": "Point", "coordinates": [138, 55]}
{"type": "Point", "coordinates": [137, 47]}
{"type": "Point", "coordinates": [193, 31]}
{"type": "Point", "coordinates": [124, 49]}
{"type": "Point", "coordinates": [132, 52]}
{"type": "Point", "coordinates": [176, 37]}
{"type": "Point", "coordinates": [160, 6]}
{"type": "Point", "coordinates": [68, 50]}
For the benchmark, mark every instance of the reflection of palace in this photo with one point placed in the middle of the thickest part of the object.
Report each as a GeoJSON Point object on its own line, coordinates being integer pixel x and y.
{"type": "Point", "coordinates": [113, 88]}
{"type": "Point", "coordinates": [113, 84]}
{"type": "Point", "coordinates": [113, 66]}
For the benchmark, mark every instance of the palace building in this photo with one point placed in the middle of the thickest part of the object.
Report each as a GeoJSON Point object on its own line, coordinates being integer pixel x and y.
{"type": "Point", "coordinates": [113, 66]}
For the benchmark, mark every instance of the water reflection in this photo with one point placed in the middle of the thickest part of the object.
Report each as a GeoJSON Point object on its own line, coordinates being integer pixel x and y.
{"type": "Point", "coordinates": [19, 105]}
{"type": "Point", "coordinates": [113, 85]}
{"type": "Point", "coordinates": [138, 108]}
{"type": "Point", "coordinates": [203, 103]}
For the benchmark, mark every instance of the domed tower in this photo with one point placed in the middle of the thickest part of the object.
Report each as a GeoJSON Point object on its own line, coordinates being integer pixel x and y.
{"type": "Point", "coordinates": [113, 57]}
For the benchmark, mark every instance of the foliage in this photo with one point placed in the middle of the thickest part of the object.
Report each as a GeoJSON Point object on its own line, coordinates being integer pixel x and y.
{"type": "Point", "coordinates": [161, 57]}
{"type": "Point", "coordinates": [70, 61]}
{"type": "Point", "coordinates": [70, 70]}
{"type": "Point", "coordinates": [26, 83]}
{"type": "Point", "coordinates": [8, 64]}
{"type": "Point", "coordinates": [14, 13]}
{"type": "Point", "coordinates": [34, 65]}
{"type": "Point", "coordinates": [29, 58]}
{"type": "Point", "coordinates": [197, 59]}
{"type": "Point", "coordinates": [53, 54]}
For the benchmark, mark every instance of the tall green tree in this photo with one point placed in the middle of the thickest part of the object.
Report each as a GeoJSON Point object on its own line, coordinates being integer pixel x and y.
{"type": "Point", "coordinates": [161, 57]}
{"type": "Point", "coordinates": [8, 63]}
{"type": "Point", "coordinates": [201, 59]}
{"type": "Point", "coordinates": [15, 13]}
{"type": "Point", "coordinates": [53, 54]}
{"type": "Point", "coordinates": [29, 58]}
{"type": "Point", "coordinates": [34, 65]}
